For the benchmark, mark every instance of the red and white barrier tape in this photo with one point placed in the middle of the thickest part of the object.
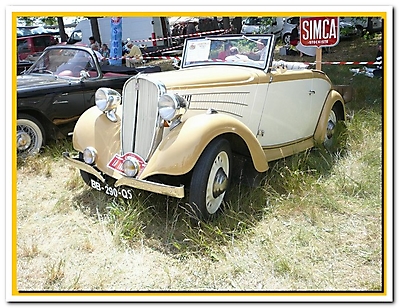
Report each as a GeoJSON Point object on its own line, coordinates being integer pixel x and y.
{"type": "Point", "coordinates": [180, 36]}
{"type": "Point", "coordinates": [345, 63]}
{"type": "Point", "coordinates": [163, 50]}
{"type": "Point", "coordinates": [308, 63]}
{"type": "Point", "coordinates": [143, 58]}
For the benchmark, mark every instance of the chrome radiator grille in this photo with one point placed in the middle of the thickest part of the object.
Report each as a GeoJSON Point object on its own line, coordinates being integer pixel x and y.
{"type": "Point", "coordinates": [140, 113]}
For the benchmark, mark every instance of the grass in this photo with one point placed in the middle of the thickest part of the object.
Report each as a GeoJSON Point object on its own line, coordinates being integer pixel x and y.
{"type": "Point", "coordinates": [315, 220]}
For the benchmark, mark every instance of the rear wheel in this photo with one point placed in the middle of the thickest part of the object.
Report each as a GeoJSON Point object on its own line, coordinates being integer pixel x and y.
{"type": "Point", "coordinates": [30, 136]}
{"type": "Point", "coordinates": [334, 131]}
{"type": "Point", "coordinates": [210, 179]}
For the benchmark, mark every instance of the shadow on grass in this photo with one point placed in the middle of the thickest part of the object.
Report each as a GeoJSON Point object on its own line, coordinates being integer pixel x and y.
{"type": "Point", "coordinates": [164, 224]}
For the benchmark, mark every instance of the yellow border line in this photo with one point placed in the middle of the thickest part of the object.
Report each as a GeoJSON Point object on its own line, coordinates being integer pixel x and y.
{"type": "Point", "coordinates": [17, 14]}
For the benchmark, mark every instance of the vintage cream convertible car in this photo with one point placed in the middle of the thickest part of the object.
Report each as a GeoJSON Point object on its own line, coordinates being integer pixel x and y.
{"type": "Point", "coordinates": [187, 133]}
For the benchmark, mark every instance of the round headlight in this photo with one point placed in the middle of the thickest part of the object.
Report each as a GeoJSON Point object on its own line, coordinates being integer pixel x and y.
{"type": "Point", "coordinates": [170, 106]}
{"type": "Point", "coordinates": [89, 155]}
{"type": "Point", "coordinates": [131, 166]}
{"type": "Point", "coordinates": [167, 107]}
{"type": "Point", "coordinates": [107, 99]}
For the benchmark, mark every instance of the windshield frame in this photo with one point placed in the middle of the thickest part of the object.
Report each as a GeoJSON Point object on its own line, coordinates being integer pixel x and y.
{"type": "Point", "coordinates": [207, 47]}
{"type": "Point", "coordinates": [53, 58]}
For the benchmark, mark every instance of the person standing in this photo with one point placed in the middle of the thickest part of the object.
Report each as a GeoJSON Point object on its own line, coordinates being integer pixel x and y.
{"type": "Point", "coordinates": [105, 52]}
{"type": "Point", "coordinates": [94, 47]}
{"type": "Point", "coordinates": [190, 28]}
{"type": "Point", "coordinates": [260, 54]}
{"type": "Point", "coordinates": [93, 41]}
{"type": "Point", "coordinates": [377, 72]}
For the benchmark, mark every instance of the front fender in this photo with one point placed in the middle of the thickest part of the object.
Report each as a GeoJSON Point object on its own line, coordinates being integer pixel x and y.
{"type": "Point", "coordinates": [332, 98]}
{"type": "Point", "coordinates": [95, 130]}
{"type": "Point", "coordinates": [178, 153]}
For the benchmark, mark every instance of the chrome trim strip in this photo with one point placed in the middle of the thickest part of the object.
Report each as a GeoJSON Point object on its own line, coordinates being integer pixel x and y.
{"type": "Point", "coordinates": [172, 191]}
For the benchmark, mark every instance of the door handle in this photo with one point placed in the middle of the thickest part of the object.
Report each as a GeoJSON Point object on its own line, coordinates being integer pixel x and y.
{"type": "Point", "coordinates": [312, 92]}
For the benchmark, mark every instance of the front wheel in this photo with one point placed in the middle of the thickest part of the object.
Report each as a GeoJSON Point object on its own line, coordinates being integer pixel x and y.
{"type": "Point", "coordinates": [30, 136]}
{"type": "Point", "coordinates": [210, 179]}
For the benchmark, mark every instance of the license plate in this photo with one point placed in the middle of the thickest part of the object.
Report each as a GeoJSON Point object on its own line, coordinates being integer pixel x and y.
{"type": "Point", "coordinates": [112, 191]}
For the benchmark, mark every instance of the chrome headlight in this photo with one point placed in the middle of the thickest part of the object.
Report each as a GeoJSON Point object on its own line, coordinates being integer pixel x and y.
{"type": "Point", "coordinates": [171, 106]}
{"type": "Point", "coordinates": [89, 155]}
{"type": "Point", "coordinates": [131, 166]}
{"type": "Point", "coordinates": [107, 99]}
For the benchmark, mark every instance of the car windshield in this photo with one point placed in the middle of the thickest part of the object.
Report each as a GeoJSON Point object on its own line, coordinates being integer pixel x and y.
{"type": "Point", "coordinates": [64, 63]}
{"type": "Point", "coordinates": [242, 50]}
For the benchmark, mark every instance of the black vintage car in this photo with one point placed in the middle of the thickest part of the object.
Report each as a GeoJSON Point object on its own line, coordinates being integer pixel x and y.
{"type": "Point", "coordinates": [58, 88]}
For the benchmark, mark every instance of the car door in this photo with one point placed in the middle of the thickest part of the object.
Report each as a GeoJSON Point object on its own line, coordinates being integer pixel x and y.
{"type": "Point", "coordinates": [68, 103]}
{"type": "Point", "coordinates": [71, 101]}
{"type": "Point", "coordinates": [287, 114]}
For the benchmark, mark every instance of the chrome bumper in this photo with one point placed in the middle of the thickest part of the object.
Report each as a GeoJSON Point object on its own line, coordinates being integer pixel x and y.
{"type": "Point", "coordinates": [172, 191]}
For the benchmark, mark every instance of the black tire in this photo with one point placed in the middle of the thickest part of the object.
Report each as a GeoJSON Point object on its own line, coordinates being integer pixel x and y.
{"type": "Point", "coordinates": [210, 180]}
{"type": "Point", "coordinates": [85, 175]}
{"type": "Point", "coordinates": [30, 136]}
{"type": "Point", "coordinates": [287, 39]}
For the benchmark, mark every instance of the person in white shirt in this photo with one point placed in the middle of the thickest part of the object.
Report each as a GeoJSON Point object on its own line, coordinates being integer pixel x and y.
{"type": "Point", "coordinates": [235, 56]}
{"type": "Point", "coordinates": [94, 47]}
{"type": "Point", "coordinates": [260, 54]}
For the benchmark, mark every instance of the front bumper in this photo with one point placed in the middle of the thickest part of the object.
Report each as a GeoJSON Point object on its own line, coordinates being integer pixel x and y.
{"type": "Point", "coordinates": [167, 190]}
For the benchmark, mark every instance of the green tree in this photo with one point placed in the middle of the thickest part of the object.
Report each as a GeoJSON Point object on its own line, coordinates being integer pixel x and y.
{"type": "Point", "coordinates": [265, 24]}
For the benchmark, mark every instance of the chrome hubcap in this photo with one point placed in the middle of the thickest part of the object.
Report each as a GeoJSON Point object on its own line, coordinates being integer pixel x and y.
{"type": "Point", "coordinates": [217, 182]}
{"type": "Point", "coordinates": [220, 183]}
{"type": "Point", "coordinates": [23, 141]}
{"type": "Point", "coordinates": [332, 121]}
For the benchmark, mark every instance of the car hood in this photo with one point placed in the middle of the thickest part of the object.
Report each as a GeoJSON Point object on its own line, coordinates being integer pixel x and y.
{"type": "Point", "coordinates": [209, 76]}
{"type": "Point", "coordinates": [30, 81]}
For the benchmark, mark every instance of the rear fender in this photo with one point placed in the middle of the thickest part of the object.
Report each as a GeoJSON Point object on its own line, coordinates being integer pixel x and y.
{"type": "Point", "coordinates": [332, 98]}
